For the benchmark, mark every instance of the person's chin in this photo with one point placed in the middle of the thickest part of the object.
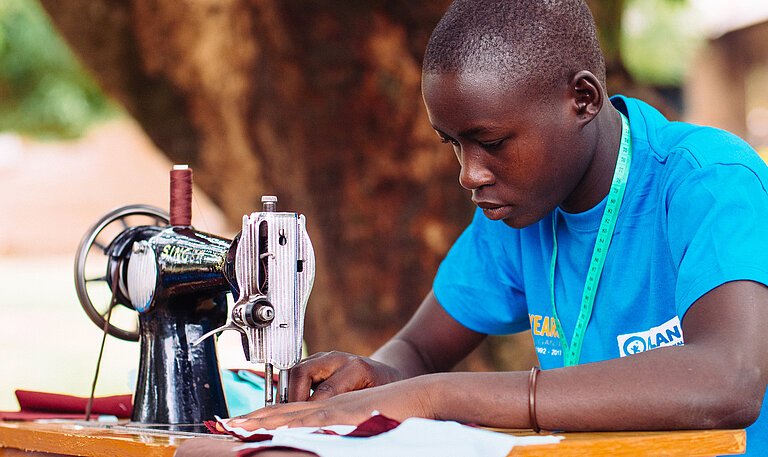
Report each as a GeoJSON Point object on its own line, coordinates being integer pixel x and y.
{"type": "Point", "coordinates": [519, 221]}
{"type": "Point", "coordinates": [516, 223]}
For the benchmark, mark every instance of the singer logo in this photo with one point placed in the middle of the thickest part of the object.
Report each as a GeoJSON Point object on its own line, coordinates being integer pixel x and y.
{"type": "Point", "coordinates": [181, 254]}
{"type": "Point", "coordinates": [669, 333]}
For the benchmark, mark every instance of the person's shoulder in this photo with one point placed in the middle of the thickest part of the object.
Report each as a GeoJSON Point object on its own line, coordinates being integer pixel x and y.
{"type": "Point", "coordinates": [698, 146]}
{"type": "Point", "coordinates": [709, 146]}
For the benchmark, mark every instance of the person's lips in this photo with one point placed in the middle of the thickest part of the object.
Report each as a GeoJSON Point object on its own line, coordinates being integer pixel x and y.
{"type": "Point", "coordinates": [494, 211]}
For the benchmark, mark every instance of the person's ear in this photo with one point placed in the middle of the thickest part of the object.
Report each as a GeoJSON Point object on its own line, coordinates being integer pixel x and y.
{"type": "Point", "coordinates": [586, 95]}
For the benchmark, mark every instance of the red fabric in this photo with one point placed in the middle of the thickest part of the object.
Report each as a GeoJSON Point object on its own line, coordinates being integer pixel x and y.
{"type": "Point", "coordinates": [33, 415]}
{"type": "Point", "coordinates": [211, 426]}
{"type": "Point", "coordinates": [44, 405]}
{"type": "Point", "coordinates": [256, 437]}
{"type": "Point", "coordinates": [374, 426]}
{"type": "Point", "coordinates": [371, 427]}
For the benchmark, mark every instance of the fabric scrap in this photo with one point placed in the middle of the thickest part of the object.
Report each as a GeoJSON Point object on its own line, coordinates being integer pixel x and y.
{"type": "Point", "coordinates": [45, 405]}
{"type": "Point", "coordinates": [415, 436]}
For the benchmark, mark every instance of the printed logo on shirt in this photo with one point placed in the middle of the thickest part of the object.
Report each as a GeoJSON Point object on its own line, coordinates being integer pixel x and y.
{"type": "Point", "coordinates": [669, 333]}
{"type": "Point", "coordinates": [546, 328]}
{"type": "Point", "coordinates": [543, 326]}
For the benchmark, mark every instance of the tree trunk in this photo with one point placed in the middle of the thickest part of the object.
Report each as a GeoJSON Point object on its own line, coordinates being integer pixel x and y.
{"type": "Point", "coordinates": [317, 102]}
{"type": "Point", "coordinates": [609, 16]}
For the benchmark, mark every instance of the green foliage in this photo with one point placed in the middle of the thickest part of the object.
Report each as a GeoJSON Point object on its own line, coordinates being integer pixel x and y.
{"type": "Point", "coordinates": [44, 91]}
{"type": "Point", "coordinates": [659, 39]}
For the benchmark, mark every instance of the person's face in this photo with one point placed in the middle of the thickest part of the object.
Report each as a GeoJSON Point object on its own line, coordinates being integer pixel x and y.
{"type": "Point", "coordinates": [521, 157]}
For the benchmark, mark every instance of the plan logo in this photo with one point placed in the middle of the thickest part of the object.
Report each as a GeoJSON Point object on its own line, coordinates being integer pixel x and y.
{"type": "Point", "coordinates": [669, 333]}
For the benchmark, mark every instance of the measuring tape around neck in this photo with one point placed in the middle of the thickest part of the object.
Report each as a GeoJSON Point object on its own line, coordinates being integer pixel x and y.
{"type": "Point", "coordinates": [572, 352]}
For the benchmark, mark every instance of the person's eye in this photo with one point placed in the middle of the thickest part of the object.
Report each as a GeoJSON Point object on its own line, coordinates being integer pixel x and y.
{"type": "Point", "coordinates": [445, 139]}
{"type": "Point", "coordinates": [495, 144]}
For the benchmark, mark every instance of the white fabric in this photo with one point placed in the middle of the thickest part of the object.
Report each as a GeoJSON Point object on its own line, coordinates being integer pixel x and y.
{"type": "Point", "coordinates": [415, 436]}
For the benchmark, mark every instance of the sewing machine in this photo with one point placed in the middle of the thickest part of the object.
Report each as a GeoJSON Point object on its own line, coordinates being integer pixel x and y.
{"type": "Point", "coordinates": [174, 279]}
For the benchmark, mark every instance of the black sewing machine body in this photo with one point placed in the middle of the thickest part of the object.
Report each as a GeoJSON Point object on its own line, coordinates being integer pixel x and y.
{"type": "Point", "coordinates": [177, 283]}
{"type": "Point", "coordinates": [176, 279]}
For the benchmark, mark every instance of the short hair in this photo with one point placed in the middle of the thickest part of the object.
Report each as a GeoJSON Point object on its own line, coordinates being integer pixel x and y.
{"type": "Point", "coordinates": [541, 41]}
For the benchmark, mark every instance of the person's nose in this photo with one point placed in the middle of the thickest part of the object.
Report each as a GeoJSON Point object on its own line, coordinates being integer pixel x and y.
{"type": "Point", "coordinates": [474, 173]}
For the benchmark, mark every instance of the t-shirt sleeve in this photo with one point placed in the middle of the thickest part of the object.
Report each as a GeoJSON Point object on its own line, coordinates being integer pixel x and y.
{"type": "Point", "coordinates": [478, 283]}
{"type": "Point", "coordinates": [718, 230]}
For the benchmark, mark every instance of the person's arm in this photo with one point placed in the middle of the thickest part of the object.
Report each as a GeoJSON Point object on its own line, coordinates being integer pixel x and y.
{"type": "Point", "coordinates": [716, 380]}
{"type": "Point", "coordinates": [432, 341]}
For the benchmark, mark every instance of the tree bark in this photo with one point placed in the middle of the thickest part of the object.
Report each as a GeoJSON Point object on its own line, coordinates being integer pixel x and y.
{"type": "Point", "coordinates": [609, 17]}
{"type": "Point", "coordinates": [317, 102]}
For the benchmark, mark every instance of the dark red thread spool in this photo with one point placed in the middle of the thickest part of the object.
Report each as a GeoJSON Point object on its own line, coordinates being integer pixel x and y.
{"type": "Point", "coordinates": [181, 195]}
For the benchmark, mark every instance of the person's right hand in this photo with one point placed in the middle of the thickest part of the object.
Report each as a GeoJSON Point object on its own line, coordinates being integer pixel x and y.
{"type": "Point", "coordinates": [333, 373]}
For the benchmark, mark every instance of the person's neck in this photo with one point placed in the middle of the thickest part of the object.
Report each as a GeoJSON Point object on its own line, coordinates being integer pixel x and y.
{"type": "Point", "coordinates": [596, 182]}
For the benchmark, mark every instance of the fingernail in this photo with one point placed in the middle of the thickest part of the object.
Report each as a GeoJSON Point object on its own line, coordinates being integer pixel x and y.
{"type": "Point", "coordinates": [223, 421]}
{"type": "Point", "coordinates": [237, 421]}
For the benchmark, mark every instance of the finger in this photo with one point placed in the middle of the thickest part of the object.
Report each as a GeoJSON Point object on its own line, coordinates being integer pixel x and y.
{"type": "Point", "coordinates": [308, 417]}
{"type": "Point", "coordinates": [331, 387]}
{"type": "Point", "coordinates": [272, 410]}
{"type": "Point", "coordinates": [312, 371]}
{"type": "Point", "coordinates": [353, 375]}
{"type": "Point", "coordinates": [300, 380]}
{"type": "Point", "coordinates": [275, 420]}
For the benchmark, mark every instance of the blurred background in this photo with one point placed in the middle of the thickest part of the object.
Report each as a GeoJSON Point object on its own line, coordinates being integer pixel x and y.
{"type": "Point", "coordinates": [317, 102]}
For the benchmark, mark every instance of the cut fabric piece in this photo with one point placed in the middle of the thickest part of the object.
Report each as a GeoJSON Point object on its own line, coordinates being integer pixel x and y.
{"type": "Point", "coordinates": [377, 424]}
{"type": "Point", "coordinates": [384, 438]}
{"type": "Point", "coordinates": [45, 405]}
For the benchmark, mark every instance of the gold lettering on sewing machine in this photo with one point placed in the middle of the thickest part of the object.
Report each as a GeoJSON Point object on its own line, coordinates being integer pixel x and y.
{"type": "Point", "coordinates": [182, 254]}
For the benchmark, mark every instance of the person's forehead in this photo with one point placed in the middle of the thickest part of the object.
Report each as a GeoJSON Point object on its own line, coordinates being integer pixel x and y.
{"type": "Point", "coordinates": [468, 97]}
{"type": "Point", "coordinates": [464, 81]}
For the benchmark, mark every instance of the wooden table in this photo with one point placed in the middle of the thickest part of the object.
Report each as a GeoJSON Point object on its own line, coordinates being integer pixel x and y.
{"type": "Point", "coordinates": [70, 438]}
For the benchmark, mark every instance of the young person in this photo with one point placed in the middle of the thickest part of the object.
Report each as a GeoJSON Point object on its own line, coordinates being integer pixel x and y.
{"type": "Point", "coordinates": [636, 249]}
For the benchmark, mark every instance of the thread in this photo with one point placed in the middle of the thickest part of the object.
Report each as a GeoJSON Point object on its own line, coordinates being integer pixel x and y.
{"type": "Point", "coordinates": [181, 195]}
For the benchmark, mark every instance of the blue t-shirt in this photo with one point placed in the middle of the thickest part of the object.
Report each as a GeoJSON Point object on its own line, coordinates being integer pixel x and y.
{"type": "Point", "coordinates": [694, 216]}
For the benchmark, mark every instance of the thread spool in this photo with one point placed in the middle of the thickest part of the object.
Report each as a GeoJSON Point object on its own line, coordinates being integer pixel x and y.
{"type": "Point", "coordinates": [181, 195]}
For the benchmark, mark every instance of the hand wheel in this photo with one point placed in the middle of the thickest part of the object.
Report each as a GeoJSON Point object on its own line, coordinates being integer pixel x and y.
{"type": "Point", "coordinates": [92, 276]}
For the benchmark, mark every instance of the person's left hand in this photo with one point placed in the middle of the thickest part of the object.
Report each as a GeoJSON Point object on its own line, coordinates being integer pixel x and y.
{"type": "Point", "coordinates": [398, 400]}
